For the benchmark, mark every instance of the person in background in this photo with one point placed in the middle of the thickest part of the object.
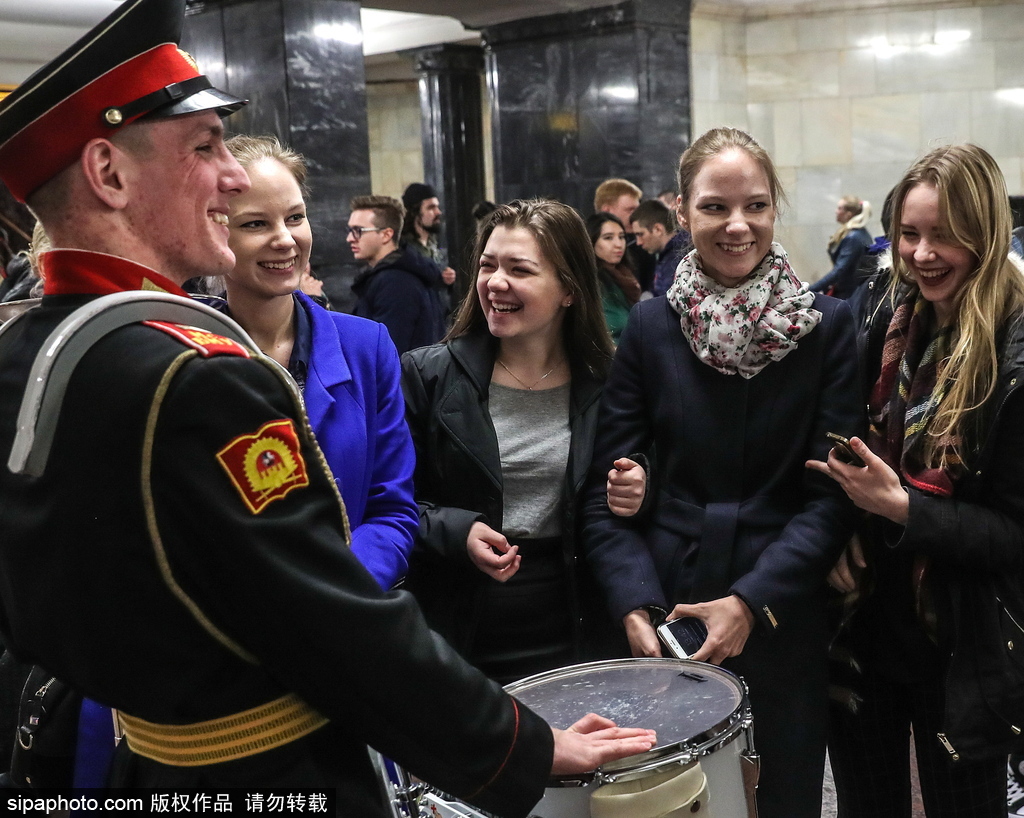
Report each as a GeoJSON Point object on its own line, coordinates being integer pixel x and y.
{"type": "Point", "coordinates": [503, 418]}
{"type": "Point", "coordinates": [481, 210]}
{"type": "Point", "coordinates": [668, 197]}
{"type": "Point", "coordinates": [422, 225]}
{"type": "Point", "coordinates": [734, 379]}
{"type": "Point", "coordinates": [345, 366]}
{"type": "Point", "coordinates": [619, 288]}
{"type": "Point", "coordinates": [846, 247]}
{"type": "Point", "coordinates": [400, 287]}
{"type": "Point", "coordinates": [657, 232]}
{"type": "Point", "coordinates": [620, 197]}
{"type": "Point", "coordinates": [934, 585]}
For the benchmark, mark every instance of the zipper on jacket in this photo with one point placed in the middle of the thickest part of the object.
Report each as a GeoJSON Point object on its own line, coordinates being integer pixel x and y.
{"type": "Point", "coordinates": [949, 747]}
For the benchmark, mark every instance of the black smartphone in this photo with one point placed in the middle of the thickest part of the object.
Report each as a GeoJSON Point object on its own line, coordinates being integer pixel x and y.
{"type": "Point", "coordinates": [683, 637]}
{"type": "Point", "coordinates": [844, 451]}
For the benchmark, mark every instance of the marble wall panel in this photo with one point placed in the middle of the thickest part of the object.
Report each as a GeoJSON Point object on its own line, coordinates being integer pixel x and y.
{"type": "Point", "coordinates": [997, 122]}
{"type": "Point", "coordinates": [609, 96]}
{"type": "Point", "coordinates": [857, 72]}
{"type": "Point", "coordinates": [792, 76]}
{"type": "Point", "coordinates": [772, 36]}
{"type": "Point", "coordinates": [886, 128]}
{"type": "Point", "coordinates": [945, 118]}
{"type": "Point", "coordinates": [719, 114]}
{"type": "Point", "coordinates": [761, 125]}
{"type": "Point", "coordinates": [707, 36]}
{"type": "Point", "coordinates": [910, 28]}
{"type": "Point", "coordinates": [203, 38]}
{"type": "Point", "coordinates": [817, 191]}
{"type": "Point", "coordinates": [255, 60]}
{"type": "Point", "coordinates": [952, 23]}
{"type": "Point", "coordinates": [821, 32]}
{"type": "Point", "coordinates": [865, 28]}
{"type": "Point", "coordinates": [825, 136]}
{"type": "Point", "coordinates": [1009, 65]}
{"type": "Point", "coordinates": [1003, 22]}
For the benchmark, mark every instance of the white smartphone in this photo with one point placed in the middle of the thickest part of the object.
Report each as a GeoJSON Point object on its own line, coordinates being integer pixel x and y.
{"type": "Point", "coordinates": [683, 637]}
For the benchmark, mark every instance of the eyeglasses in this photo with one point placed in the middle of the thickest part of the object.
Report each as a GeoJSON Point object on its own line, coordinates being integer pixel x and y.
{"type": "Point", "coordinates": [358, 231]}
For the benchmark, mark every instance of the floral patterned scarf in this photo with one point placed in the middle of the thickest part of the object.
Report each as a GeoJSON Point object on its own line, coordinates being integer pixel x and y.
{"type": "Point", "coordinates": [743, 329]}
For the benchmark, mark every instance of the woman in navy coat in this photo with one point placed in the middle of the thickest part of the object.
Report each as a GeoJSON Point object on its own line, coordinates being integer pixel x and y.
{"type": "Point", "coordinates": [731, 381]}
{"type": "Point", "coordinates": [346, 367]}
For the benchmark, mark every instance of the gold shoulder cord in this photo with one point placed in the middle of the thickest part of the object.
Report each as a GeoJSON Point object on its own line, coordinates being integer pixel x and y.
{"type": "Point", "coordinates": [151, 524]}
{"type": "Point", "coordinates": [231, 737]}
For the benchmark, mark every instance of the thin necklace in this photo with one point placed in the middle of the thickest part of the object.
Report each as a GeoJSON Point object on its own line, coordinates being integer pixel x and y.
{"type": "Point", "coordinates": [520, 380]}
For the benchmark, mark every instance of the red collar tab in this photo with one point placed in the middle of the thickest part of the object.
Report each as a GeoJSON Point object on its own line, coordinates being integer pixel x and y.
{"type": "Point", "coordinates": [81, 272]}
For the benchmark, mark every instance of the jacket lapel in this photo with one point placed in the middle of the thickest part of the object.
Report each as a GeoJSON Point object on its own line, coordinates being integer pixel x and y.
{"type": "Point", "coordinates": [474, 354]}
{"type": "Point", "coordinates": [327, 364]}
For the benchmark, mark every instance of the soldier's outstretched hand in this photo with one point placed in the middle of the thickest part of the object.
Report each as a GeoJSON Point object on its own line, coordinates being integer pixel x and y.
{"type": "Point", "coordinates": [595, 740]}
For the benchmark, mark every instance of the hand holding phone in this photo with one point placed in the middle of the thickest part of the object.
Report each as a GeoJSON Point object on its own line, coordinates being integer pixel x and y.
{"type": "Point", "coordinates": [843, 450]}
{"type": "Point", "coordinates": [683, 637]}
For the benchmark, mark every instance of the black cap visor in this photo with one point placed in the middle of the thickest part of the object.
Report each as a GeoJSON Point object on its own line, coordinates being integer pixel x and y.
{"type": "Point", "coordinates": [207, 99]}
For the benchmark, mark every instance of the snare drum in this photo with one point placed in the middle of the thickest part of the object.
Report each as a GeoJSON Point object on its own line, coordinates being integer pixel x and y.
{"type": "Point", "coordinates": [702, 718]}
{"type": "Point", "coordinates": [705, 754]}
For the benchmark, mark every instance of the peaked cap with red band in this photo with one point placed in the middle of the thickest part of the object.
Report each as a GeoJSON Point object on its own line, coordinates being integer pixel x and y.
{"type": "Point", "coordinates": [126, 67]}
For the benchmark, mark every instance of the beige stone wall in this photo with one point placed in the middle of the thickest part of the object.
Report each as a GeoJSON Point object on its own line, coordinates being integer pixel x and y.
{"type": "Point", "coordinates": [396, 149]}
{"type": "Point", "coordinates": [845, 100]}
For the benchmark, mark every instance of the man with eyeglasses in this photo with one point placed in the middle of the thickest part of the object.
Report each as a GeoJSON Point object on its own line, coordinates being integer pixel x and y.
{"type": "Point", "coordinates": [399, 288]}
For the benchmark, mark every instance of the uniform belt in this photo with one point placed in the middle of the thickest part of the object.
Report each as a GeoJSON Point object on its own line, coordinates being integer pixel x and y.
{"type": "Point", "coordinates": [228, 738]}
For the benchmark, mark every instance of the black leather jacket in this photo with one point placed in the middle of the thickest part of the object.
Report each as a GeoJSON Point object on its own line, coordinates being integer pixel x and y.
{"type": "Point", "coordinates": [458, 482]}
{"type": "Point", "coordinates": [976, 544]}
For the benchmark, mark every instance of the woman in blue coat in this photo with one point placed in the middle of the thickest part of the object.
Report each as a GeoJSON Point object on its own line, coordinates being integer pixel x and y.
{"type": "Point", "coordinates": [732, 381]}
{"type": "Point", "coordinates": [346, 367]}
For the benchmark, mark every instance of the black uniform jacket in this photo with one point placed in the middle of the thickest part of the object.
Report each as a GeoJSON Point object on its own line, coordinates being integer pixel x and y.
{"type": "Point", "coordinates": [736, 510]}
{"type": "Point", "coordinates": [149, 575]}
{"type": "Point", "coordinates": [458, 482]}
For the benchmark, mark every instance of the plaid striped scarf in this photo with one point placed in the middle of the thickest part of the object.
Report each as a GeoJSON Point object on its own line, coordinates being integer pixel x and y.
{"type": "Point", "coordinates": [904, 399]}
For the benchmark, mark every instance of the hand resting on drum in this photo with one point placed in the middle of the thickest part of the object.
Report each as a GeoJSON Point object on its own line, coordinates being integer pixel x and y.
{"type": "Point", "coordinates": [595, 740]}
{"type": "Point", "coordinates": [626, 486]}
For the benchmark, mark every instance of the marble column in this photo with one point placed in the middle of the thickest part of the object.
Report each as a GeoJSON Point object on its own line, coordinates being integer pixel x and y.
{"type": "Point", "coordinates": [300, 63]}
{"type": "Point", "coordinates": [453, 142]}
{"type": "Point", "coordinates": [584, 96]}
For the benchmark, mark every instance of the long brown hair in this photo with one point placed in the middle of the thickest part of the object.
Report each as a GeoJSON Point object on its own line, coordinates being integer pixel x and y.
{"type": "Point", "coordinates": [563, 240]}
{"type": "Point", "coordinates": [975, 211]}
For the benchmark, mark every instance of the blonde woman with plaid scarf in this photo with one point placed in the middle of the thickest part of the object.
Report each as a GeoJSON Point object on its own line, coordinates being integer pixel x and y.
{"type": "Point", "coordinates": [935, 641]}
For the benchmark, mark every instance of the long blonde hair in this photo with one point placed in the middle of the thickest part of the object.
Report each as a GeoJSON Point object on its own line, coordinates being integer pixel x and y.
{"type": "Point", "coordinates": [861, 213]}
{"type": "Point", "coordinates": [975, 210]}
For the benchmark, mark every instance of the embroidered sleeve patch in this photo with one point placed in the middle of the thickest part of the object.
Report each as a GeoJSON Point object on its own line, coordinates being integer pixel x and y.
{"type": "Point", "coordinates": [203, 341]}
{"type": "Point", "coordinates": [265, 466]}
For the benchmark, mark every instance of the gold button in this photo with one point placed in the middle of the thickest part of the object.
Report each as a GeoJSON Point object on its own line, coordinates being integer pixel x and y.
{"type": "Point", "coordinates": [1013, 381]}
{"type": "Point", "coordinates": [113, 116]}
{"type": "Point", "coordinates": [978, 473]}
{"type": "Point", "coordinates": [1010, 644]}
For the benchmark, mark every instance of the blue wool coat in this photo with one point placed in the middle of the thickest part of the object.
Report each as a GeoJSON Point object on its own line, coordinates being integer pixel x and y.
{"type": "Point", "coordinates": [355, 406]}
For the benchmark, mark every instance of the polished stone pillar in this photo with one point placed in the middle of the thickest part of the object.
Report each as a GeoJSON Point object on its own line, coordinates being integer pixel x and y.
{"type": "Point", "coordinates": [300, 63]}
{"type": "Point", "coordinates": [584, 96]}
{"type": "Point", "coordinates": [453, 142]}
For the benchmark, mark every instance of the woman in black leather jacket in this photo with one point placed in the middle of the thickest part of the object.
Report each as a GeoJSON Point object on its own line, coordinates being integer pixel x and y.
{"type": "Point", "coordinates": [935, 639]}
{"type": "Point", "coordinates": [503, 416]}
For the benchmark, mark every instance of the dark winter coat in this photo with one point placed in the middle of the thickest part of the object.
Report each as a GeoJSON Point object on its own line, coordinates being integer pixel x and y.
{"type": "Point", "coordinates": [403, 292]}
{"type": "Point", "coordinates": [975, 541]}
{"type": "Point", "coordinates": [458, 482]}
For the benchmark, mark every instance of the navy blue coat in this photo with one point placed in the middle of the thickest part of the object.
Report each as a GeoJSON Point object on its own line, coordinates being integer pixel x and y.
{"type": "Point", "coordinates": [354, 401]}
{"type": "Point", "coordinates": [736, 512]}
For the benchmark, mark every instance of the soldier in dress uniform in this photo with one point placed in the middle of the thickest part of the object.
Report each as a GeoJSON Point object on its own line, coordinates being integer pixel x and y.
{"type": "Point", "coordinates": [180, 553]}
